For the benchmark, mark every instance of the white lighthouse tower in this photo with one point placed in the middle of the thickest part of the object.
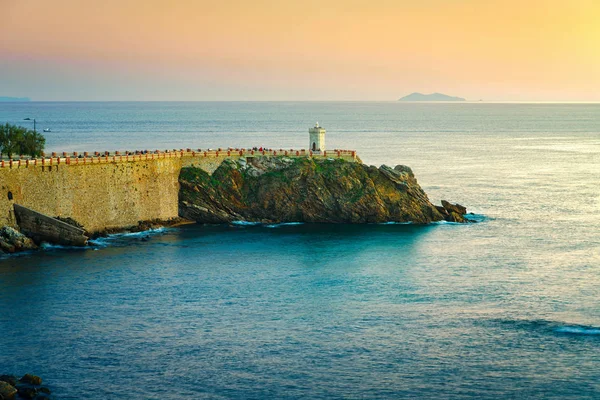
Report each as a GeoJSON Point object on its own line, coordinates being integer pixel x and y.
{"type": "Point", "coordinates": [317, 138]}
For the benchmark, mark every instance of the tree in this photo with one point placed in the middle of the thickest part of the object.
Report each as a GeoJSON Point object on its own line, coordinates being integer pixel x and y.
{"type": "Point", "coordinates": [18, 140]}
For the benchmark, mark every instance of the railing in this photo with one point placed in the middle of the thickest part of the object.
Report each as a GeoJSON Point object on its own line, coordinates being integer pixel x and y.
{"type": "Point", "coordinates": [117, 157]}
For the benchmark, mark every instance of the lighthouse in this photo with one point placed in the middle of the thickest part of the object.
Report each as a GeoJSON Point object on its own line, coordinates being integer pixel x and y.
{"type": "Point", "coordinates": [317, 138]}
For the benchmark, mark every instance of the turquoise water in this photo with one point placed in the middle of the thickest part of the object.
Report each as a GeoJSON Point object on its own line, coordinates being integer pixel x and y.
{"type": "Point", "coordinates": [506, 308]}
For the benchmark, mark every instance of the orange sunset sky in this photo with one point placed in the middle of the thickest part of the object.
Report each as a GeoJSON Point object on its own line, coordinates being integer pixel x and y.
{"type": "Point", "coordinates": [496, 50]}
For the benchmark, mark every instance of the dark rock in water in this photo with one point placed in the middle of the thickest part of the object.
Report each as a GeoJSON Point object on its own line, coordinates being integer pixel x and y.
{"type": "Point", "coordinates": [457, 208]}
{"type": "Point", "coordinates": [31, 379]}
{"type": "Point", "coordinates": [454, 217]}
{"type": "Point", "coordinates": [26, 390]}
{"type": "Point", "coordinates": [7, 391]}
{"type": "Point", "coordinates": [273, 190]}
{"type": "Point", "coordinates": [10, 379]}
{"type": "Point", "coordinates": [453, 212]}
{"type": "Point", "coordinates": [12, 241]}
{"type": "Point", "coordinates": [442, 211]}
{"type": "Point", "coordinates": [44, 389]}
{"type": "Point", "coordinates": [28, 387]}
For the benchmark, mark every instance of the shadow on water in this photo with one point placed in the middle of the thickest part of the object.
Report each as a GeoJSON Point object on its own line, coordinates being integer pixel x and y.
{"type": "Point", "coordinates": [310, 239]}
{"type": "Point", "coordinates": [545, 327]}
{"type": "Point", "coordinates": [325, 240]}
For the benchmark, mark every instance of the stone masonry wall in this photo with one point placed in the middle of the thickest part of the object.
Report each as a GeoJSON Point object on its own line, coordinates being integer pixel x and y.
{"type": "Point", "coordinates": [104, 192]}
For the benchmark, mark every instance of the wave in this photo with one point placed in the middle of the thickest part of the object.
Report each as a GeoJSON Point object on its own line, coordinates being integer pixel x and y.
{"type": "Point", "coordinates": [556, 327]}
{"type": "Point", "coordinates": [471, 217]}
{"type": "Point", "coordinates": [444, 222]}
{"type": "Point", "coordinates": [284, 224]}
{"type": "Point", "coordinates": [262, 224]}
{"type": "Point", "coordinates": [50, 247]}
{"type": "Point", "coordinates": [246, 223]}
{"type": "Point", "coordinates": [578, 330]}
{"type": "Point", "coordinates": [119, 238]}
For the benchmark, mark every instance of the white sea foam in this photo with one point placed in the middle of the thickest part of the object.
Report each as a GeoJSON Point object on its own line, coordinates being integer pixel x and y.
{"type": "Point", "coordinates": [283, 224]}
{"type": "Point", "coordinates": [246, 223]}
{"type": "Point", "coordinates": [444, 222]}
{"type": "Point", "coordinates": [106, 241]}
{"type": "Point", "coordinates": [50, 246]}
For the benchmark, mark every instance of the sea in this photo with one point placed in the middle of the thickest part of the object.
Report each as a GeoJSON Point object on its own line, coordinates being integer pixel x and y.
{"type": "Point", "coordinates": [505, 308]}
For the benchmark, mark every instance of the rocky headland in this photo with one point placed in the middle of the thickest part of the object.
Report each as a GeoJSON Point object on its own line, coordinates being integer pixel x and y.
{"type": "Point", "coordinates": [263, 189]}
{"type": "Point", "coordinates": [276, 190]}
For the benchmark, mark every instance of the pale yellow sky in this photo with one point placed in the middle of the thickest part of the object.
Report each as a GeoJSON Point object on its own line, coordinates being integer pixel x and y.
{"type": "Point", "coordinates": [300, 50]}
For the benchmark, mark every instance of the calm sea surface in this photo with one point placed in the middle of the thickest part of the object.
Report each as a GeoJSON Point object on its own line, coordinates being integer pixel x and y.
{"type": "Point", "coordinates": [506, 308]}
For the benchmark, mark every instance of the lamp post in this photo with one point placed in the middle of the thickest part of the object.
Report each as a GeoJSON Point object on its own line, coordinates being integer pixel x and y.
{"type": "Point", "coordinates": [29, 119]}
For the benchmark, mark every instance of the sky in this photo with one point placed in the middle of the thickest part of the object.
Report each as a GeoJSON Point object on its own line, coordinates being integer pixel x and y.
{"type": "Point", "coordinates": [495, 50]}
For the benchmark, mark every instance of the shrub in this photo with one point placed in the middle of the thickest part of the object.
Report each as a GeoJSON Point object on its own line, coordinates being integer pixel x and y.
{"type": "Point", "coordinates": [18, 140]}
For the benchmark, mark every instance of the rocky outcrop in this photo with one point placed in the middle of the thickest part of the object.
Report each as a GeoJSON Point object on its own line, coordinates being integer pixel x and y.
{"type": "Point", "coordinates": [12, 241]}
{"type": "Point", "coordinates": [42, 228]}
{"type": "Point", "coordinates": [453, 212]}
{"type": "Point", "coordinates": [269, 189]}
{"type": "Point", "coordinates": [7, 391]}
{"type": "Point", "coordinates": [28, 387]}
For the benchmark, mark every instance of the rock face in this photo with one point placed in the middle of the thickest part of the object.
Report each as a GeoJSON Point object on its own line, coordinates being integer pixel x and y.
{"type": "Point", "coordinates": [263, 189]}
{"type": "Point", "coordinates": [453, 212]}
{"type": "Point", "coordinates": [12, 241]}
{"type": "Point", "coordinates": [41, 227]}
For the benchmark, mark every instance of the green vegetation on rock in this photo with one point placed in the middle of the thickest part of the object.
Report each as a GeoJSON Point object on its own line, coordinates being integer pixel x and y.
{"type": "Point", "coordinates": [281, 189]}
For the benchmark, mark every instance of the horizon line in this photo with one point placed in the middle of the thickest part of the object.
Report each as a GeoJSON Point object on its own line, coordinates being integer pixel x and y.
{"type": "Point", "coordinates": [317, 101]}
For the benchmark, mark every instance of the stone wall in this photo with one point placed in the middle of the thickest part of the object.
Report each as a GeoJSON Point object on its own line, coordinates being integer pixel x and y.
{"type": "Point", "coordinates": [109, 192]}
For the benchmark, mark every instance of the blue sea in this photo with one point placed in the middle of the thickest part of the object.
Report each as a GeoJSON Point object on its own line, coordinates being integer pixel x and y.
{"type": "Point", "coordinates": [508, 307]}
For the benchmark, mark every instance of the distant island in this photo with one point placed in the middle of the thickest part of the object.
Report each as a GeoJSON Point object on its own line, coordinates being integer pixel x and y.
{"type": "Point", "coordinates": [7, 99]}
{"type": "Point", "coordinates": [430, 97]}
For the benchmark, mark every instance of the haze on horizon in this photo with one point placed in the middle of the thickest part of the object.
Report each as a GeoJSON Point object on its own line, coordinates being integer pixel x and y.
{"type": "Point", "coordinates": [498, 50]}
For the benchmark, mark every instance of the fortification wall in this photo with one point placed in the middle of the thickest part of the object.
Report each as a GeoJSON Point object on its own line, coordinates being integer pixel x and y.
{"type": "Point", "coordinates": [115, 191]}
{"type": "Point", "coordinates": [99, 196]}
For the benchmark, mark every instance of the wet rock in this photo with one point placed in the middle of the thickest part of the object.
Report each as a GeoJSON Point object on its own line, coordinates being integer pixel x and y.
{"type": "Point", "coordinates": [7, 391]}
{"type": "Point", "coordinates": [26, 390]}
{"type": "Point", "coordinates": [453, 212]}
{"type": "Point", "coordinates": [10, 379]}
{"type": "Point", "coordinates": [31, 379]}
{"type": "Point", "coordinates": [454, 217]}
{"type": "Point", "coordinates": [12, 241]}
{"type": "Point", "coordinates": [441, 210]}
{"type": "Point", "coordinates": [456, 208]}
